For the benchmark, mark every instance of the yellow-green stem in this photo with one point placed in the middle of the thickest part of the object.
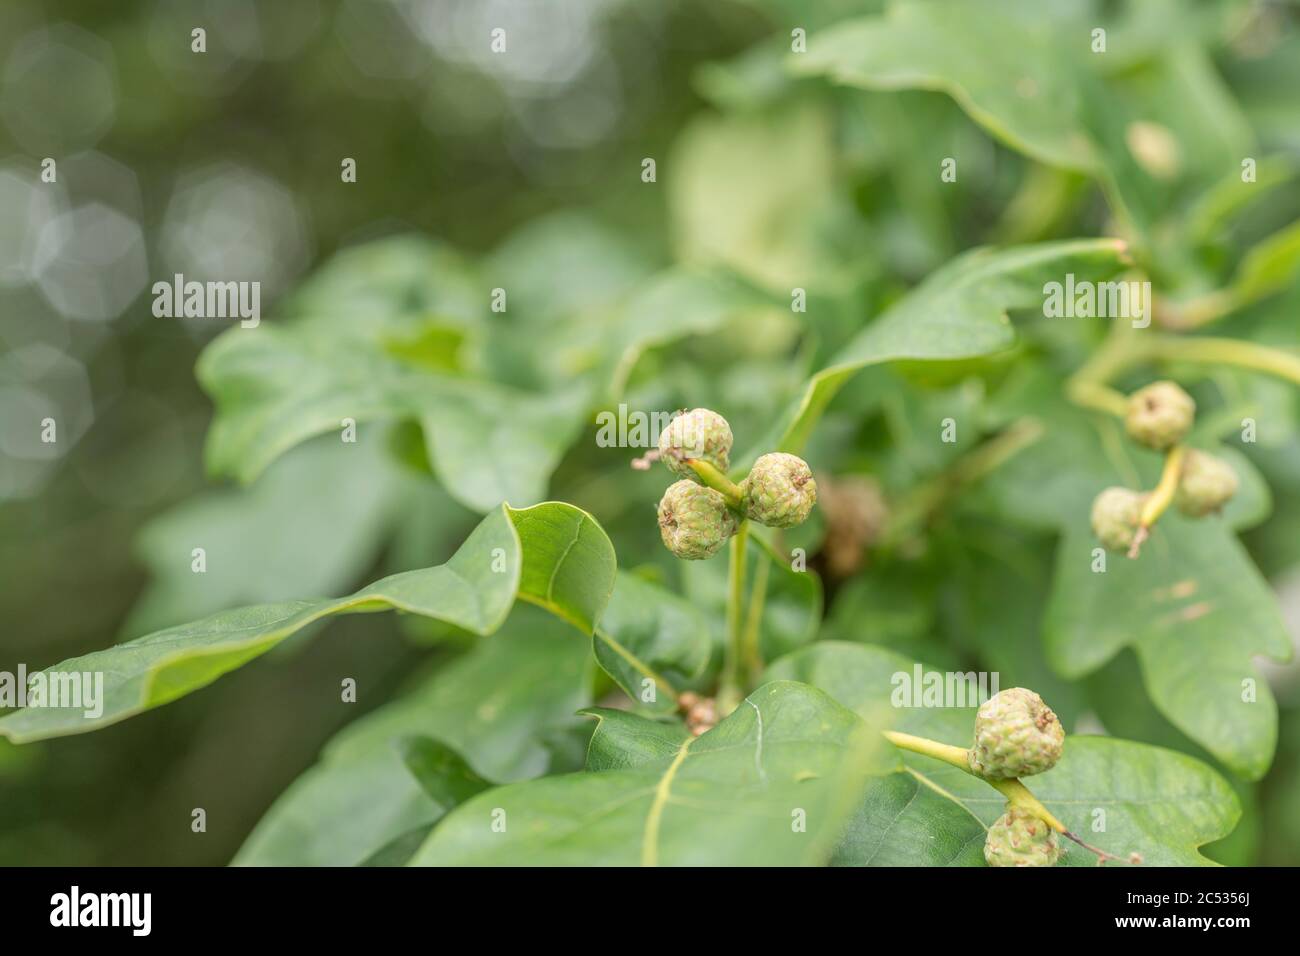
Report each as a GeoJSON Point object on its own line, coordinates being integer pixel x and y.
{"type": "Point", "coordinates": [1200, 311]}
{"type": "Point", "coordinates": [1016, 792]}
{"type": "Point", "coordinates": [1018, 795]}
{"type": "Point", "coordinates": [729, 690]}
{"type": "Point", "coordinates": [753, 653]}
{"type": "Point", "coordinates": [957, 756]}
{"type": "Point", "coordinates": [1124, 349]}
{"type": "Point", "coordinates": [716, 480]}
{"type": "Point", "coordinates": [1160, 499]}
{"type": "Point", "coordinates": [1238, 354]}
{"type": "Point", "coordinates": [1099, 397]}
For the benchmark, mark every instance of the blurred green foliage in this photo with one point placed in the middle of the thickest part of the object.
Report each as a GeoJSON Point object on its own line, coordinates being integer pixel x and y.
{"type": "Point", "coordinates": [774, 170]}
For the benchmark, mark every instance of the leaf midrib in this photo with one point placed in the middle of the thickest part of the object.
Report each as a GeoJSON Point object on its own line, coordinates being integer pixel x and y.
{"type": "Point", "coordinates": [650, 836]}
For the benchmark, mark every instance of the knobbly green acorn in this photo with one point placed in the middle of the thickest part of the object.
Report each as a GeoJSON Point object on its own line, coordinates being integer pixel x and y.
{"type": "Point", "coordinates": [1019, 838]}
{"type": "Point", "coordinates": [1116, 513]}
{"type": "Point", "coordinates": [1016, 735]}
{"type": "Point", "coordinates": [694, 521]}
{"type": "Point", "coordinates": [1160, 415]}
{"type": "Point", "coordinates": [699, 433]}
{"type": "Point", "coordinates": [1206, 484]}
{"type": "Point", "coordinates": [779, 491]}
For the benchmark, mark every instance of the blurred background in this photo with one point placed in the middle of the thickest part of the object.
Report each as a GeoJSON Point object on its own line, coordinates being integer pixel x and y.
{"type": "Point", "coordinates": [226, 165]}
{"type": "Point", "coordinates": [222, 165]}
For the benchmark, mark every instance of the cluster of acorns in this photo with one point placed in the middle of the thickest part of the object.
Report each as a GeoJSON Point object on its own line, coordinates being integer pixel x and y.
{"type": "Point", "coordinates": [1017, 735]}
{"type": "Point", "coordinates": [1159, 417]}
{"type": "Point", "coordinates": [695, 520]}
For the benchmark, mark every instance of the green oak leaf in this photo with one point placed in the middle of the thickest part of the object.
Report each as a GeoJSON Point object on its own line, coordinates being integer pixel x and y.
{"type": "Point", "coordinates": [553, 555]}
{"type": "Point", "coordinates": [1267, 268]}
{"type": "Point", "coordinates": [422, 351]}
{"type": "Point", "coordinates": [294, 531]}
{"type": "Point", "coordinates": [1018, 77]}
{"type": "Point", "coordinates": [903, 821]}
{"type": "Point", "coordinates": [674, 304]}
{"type": "Point", "coordinates": [567, 274]}
{"type": "Point", "coordinates": [647, 633]}
{"type": "Point", "coordinates": [444, 774]}
{"type": "Point", "coordinates": [958, 312]}
{"type": "Point", "coordinates": [391, 290]}
{"type": "Point", "coordinates": [624, 740]}
{"type": "Point", "coordinates": [1118, 698]}
{"type": "Point", "coordinates": [1156, 802]}
{"type": "Point", "coordinates": [983, 565]}
{"type": "Point", "coordinates": [1204, 611]}
{"type": "Point", "coordinates": [1008, 74]}
{"type": "Point", "coordinates": [736, 795]}
{"type": "Point", "coordinates": [491, 707]}
{"type": "Point", "coordinates": [393, 330]}
{"type": "Point", "coordinates": [1032, 490]}
{"type": "Point", "coordinates": [274, 387]}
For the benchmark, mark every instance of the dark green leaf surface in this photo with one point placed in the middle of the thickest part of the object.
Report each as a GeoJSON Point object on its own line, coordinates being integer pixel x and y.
{"type": "Point", "coordinates": [284, 535]}
{"type": "Point", "coordinates": [1032, 490]}
{"type": "Point", "coordinates": [730, 797]}
{"type": "Point", "coordinates": [443, 773]}
{"type": "Point", "coordinates": [624, 740]}
{"type": "Point", "coordinates": [1205, 608]}
{"type": "Point", "coordinates": [959, 312]}
{"type": "Point", "coordinates": [491, 707]}
{"type": "Point", "coordinates": [1029, 78]}
{"type": "Point", "coordinates": [1196, 611]}
{"type": "Point", "coordinates": [1008, 75]}
{"type": "Point", "coordinates": [554, 555]}
{"type": "Point", "coordinates": [648, 633]}
{"type": "Point", "coordinates": [488, 442]}
{"type": "Point", "coordinates": [1156, 802]}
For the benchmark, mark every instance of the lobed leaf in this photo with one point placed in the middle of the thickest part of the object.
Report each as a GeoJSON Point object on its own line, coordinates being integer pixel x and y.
{"type": "Point", "coordinates": [738, 795]}
{"type": "Point", "coordinates": [958, 312]}
{"type": "Point", "coordinates": [1019, 76]}
{"type": "Point", "coordinates": [1196, 611]}
{"type": "Point", "coordinates": [276, 387]}
{"type": "Point", "coordinates": [1156, 802]}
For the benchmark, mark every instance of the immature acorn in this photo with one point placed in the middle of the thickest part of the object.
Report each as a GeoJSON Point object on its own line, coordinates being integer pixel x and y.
{"type": "Point", "coordinates": [699, 433]}
{"type": "Point", "coordinates": [1160, 415]}
{"type": "Point", "coordinates": [1016, 735]}
{"type": "Point", "coordinates": [779, 490]}
{"type": "Point", "coordinates": [1116, 513]}
{"type": "Point", "coordinates": [1206, 484]}
{"type": "Point", "coordinates": [1019, 838]}
{"type": "Point", "coordinates": [694, 521]}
